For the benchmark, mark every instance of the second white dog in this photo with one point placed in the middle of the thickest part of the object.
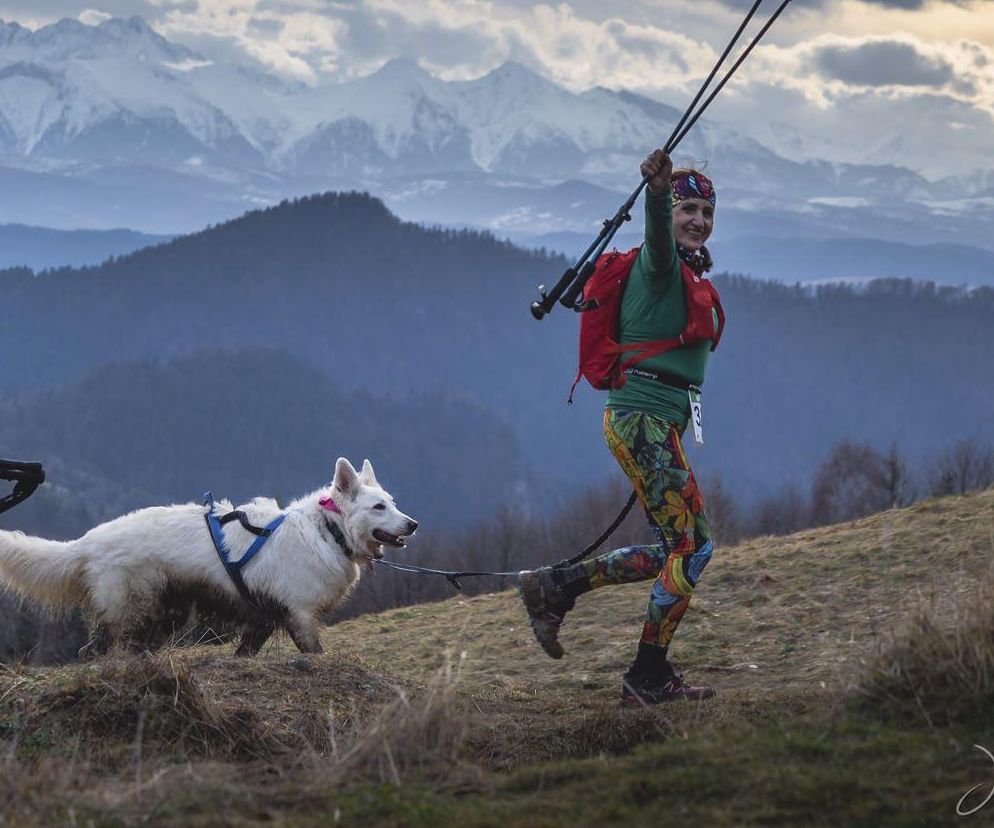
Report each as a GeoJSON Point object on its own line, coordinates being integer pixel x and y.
{"type": "Point", "coordinates": [132, 574]}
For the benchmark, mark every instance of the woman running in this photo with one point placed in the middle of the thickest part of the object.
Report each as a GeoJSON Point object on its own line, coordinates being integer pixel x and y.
{"type": "Point", "coordinates": [644, 421]}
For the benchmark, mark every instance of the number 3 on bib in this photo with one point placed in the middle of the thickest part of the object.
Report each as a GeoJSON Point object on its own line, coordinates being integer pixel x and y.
{"type": "Point", "coordinates": [696, 415]}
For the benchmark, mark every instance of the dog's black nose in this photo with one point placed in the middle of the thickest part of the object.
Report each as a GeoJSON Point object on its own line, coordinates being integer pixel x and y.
{"type": "Point", "coordinates": [412, 525]}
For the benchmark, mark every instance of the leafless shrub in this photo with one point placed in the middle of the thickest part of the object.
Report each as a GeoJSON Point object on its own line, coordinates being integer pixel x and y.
{"type": "Point", "coordinates": [782, 514]}
{"type": "Point", "coordinates": [856, 480]}
{"type": "Point", "coordinates": [966, 467]}
{"type": "Point", "coordinates": [723, 513]}
{"type": "Point", "coordinates": [895, 480]}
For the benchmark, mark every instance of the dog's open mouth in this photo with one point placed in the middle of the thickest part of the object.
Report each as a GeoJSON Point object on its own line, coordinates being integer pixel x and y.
{"type": "Point", "coordinates": [390, 540]}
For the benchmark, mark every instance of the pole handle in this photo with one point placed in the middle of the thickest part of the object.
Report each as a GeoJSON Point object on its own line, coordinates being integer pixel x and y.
{"type": "Point", "coordinates": [570, 296]}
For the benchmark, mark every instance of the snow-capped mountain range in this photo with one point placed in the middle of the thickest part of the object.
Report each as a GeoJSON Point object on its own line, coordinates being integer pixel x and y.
{"type": "Point", "coordinates": [119, 91]}
{"type": "Point", "coordinates": [114, 125]}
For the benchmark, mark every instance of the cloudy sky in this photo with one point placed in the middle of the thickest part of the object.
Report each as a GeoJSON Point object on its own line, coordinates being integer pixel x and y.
{"type": "Point", "coordinates": [906, 81]}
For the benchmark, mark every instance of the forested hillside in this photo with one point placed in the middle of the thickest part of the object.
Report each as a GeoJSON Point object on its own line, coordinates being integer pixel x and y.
{"type": "Point", "coordinates": [424, 317]}
{"type": "Point", "coordinates": [245, 423]}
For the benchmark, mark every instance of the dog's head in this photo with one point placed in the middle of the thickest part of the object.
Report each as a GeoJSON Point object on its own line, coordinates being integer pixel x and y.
{"type": "Point", "coordinates": [370, 517]}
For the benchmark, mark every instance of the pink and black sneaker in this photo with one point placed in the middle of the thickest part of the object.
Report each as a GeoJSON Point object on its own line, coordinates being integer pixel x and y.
{"type": "Point", "coordinates": [676, 688]}
{"type": "Point", "coordinates": [652, 679]}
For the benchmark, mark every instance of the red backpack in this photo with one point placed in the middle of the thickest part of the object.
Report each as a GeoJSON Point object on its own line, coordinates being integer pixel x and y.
{"type": "Point", "coordinates": [601, 356]}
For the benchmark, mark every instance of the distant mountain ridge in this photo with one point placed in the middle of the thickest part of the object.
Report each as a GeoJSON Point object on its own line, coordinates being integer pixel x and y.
{"type": "Point", "coordinates": [40, 248]}
{"type": "Point", "coordinates": [394, 310]}
{"type": "Point", "coordinates": [811, 260]}
{"type": "Point", "coordinates": [112, 124]}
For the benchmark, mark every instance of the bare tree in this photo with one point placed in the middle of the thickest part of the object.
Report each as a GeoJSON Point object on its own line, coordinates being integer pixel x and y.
{"type": "Point", "coordinates": [967, 466]}
{"type": "Point", "coordinates": [896, 480]}
{"type": "Point", "coordinates": [723, 513]}
{"type": "Point", "coordinates": [782, 514]}
{"type": "Point", "coordinates": [854, 481]}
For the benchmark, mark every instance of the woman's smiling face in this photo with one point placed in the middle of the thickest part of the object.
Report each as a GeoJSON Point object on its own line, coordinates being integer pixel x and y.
{"type": "Point", "coordinates": [693, 221]}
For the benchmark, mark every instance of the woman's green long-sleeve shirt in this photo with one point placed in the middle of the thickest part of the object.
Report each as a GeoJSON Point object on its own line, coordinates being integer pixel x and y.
{"type": "Point", "coordinates": [654, 306]}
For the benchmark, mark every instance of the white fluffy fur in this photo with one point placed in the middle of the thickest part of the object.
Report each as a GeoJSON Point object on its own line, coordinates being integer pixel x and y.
{"type": "Point", "coordinates": [119, 570]}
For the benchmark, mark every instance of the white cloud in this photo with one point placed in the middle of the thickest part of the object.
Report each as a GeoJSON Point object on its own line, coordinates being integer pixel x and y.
{"type": "Point", "coordinates": [935, 122]}
{"type": "Point", "coordinates": [452, 38]}
{"type": "Point", "coordinates": [91, 17]}
{"type": "Point", "coordinates": [826, 79]}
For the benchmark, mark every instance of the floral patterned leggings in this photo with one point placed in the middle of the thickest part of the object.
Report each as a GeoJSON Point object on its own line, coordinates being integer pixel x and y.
{"type": "Point", "coordinates": [651, 454]}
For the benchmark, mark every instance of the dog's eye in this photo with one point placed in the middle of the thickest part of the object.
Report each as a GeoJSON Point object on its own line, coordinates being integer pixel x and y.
{"type": "Point", "coordinates": [380, 506]}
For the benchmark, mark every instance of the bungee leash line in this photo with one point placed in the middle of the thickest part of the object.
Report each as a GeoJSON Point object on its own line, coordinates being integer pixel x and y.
{"type": "Point", "coordinates": [570, 285]}
{"type": "Point", "coordinates": [453, 576]}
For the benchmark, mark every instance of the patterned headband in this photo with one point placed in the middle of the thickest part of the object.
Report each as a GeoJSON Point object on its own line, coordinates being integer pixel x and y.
{"type": "Point", "coordinates": [693, 185]}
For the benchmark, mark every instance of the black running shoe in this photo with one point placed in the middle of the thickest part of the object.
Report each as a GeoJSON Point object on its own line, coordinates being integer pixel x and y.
{"type": "Point", "coordinates": [644, 693]}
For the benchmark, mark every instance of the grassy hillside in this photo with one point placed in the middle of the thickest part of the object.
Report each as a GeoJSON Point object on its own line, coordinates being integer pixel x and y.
{"type": "Point", "coordinates": [450, 714]}
{"type": "Point", "coordinates": [773, 612]}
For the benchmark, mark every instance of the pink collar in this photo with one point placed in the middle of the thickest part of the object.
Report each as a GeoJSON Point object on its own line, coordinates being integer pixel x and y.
{"type": "Point", "coordinates": [329, 504]}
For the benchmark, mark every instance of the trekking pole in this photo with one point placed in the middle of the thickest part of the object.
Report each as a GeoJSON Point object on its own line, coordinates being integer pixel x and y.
{"type": "Point", "coordinates": [731, 71]}
{"type": "Point", "coordinates": [572, 282]}
{"type": "Point", "coordinates": [582, 268]}
{"type": "Point", "coordinates": [612, 226]}
{"type": "Point", "coordinates": [26, 478]}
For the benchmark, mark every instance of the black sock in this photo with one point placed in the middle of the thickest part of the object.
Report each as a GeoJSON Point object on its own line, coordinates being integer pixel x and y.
{"type": "Point", "coordinates": [650, 663]}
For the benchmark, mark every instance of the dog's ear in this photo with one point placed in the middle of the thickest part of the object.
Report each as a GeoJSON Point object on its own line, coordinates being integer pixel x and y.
{"type": "Point", "coordinates": [367, 475]}
{"type": "Point", "coordinates": [346, 479]}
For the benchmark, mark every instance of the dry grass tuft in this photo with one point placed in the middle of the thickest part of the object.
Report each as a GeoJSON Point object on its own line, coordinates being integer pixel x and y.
{"type": "Point", "coordinates": [516, 735]}
{"type": "Point", "coordinates": [940, 664]}
{"type": "Point", "coordinates": [122, 711]}
{"type": "Point", "coordinates": [41, 794]}
{"type": "Point", "coordinates": [419, 737]}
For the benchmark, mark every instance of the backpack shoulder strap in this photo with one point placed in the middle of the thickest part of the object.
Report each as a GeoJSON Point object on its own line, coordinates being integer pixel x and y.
{"type": "Point", "coordinates": [718, 310]}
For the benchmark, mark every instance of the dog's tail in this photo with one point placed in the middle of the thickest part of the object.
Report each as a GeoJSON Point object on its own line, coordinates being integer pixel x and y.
{"type": "Point", "coordinates": [44, 570]}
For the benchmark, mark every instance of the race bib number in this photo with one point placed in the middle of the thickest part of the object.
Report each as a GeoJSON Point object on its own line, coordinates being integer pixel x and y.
{"type": "Point", "coordinates": [696, 416]}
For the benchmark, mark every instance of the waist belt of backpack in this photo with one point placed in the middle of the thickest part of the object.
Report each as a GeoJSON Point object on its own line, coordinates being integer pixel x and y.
{"type": "Point", "coordinates": [663, 377]}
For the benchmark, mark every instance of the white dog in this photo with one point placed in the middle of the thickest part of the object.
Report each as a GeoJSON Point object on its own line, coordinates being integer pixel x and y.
{"type": "Point", "coordinates": [131, 573]}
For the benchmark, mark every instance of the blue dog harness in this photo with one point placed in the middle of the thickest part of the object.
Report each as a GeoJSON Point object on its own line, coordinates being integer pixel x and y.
{"type": "Point", "coordinates": [234, 568]}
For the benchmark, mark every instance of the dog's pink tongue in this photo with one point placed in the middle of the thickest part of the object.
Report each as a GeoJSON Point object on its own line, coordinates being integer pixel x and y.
{"type": "Point", "coordinates": [370, 566]}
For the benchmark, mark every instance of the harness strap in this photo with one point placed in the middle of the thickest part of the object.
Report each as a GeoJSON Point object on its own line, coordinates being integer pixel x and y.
{"type": "Point", "coordinates": [242, 518]}
{"type": "Point", "coordinates": [234, 568]}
